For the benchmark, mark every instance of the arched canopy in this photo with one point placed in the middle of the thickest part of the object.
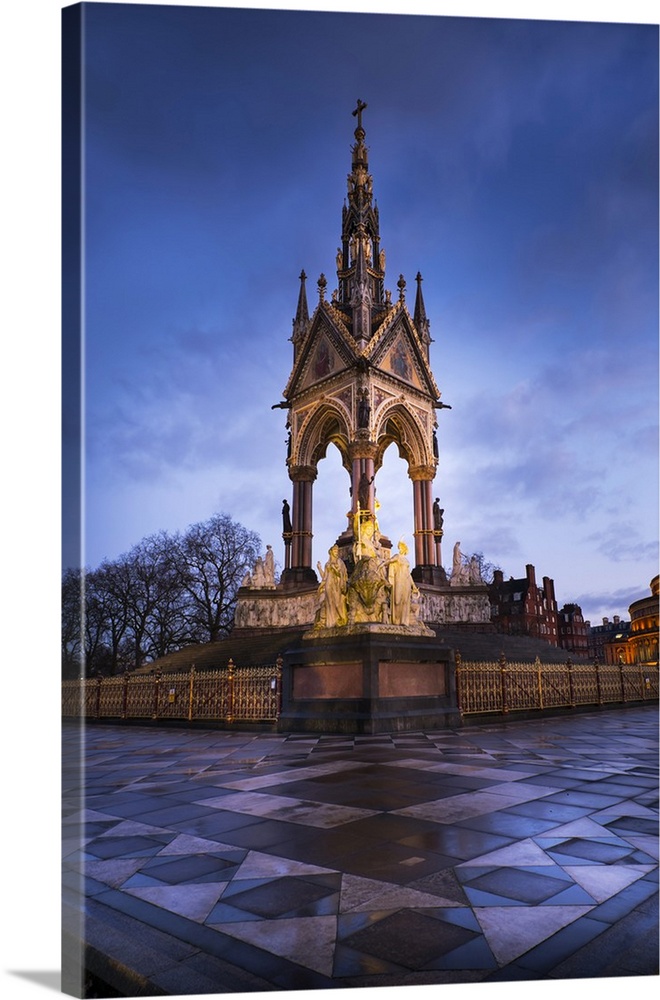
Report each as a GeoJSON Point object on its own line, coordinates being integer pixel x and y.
{"type": "Point", "coordinates": [326, 424]}
{"type": "Point", "coordinates": [398, 425]}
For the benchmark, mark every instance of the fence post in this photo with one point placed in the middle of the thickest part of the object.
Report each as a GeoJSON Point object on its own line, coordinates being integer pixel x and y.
{"type": "Point", "coordinates": [97, 707]}
{"type": "Point", "coordinates": [156, 694]}
{"type": "Point", "coordinates": [623, 686]}
{"type": "Point", "coordinates": [642, 686]}
{"type": "Point", "coordinates": [190, 693]}
{"type": "Point", "coordinates": [230, 667]}
{"type": "Point", "coordinates": [458, 659]}
{"type": "Point", "coordinates": [124, 697]}
{"type": "Point", "coordinates": [505, 705]}
{"type": "Point", "coordinates": [571, 684]}
{"type": "Point", "coordinates": [599, 692]}
{"type": "Point", "coordinates": [278, 674]}
{"type": "Point", "coordinates": [539, 680]}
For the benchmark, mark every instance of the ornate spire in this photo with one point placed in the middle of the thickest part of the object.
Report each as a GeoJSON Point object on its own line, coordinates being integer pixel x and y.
{"type": "Point", "coordinates": [360, 181]}
{"type": "Point", "coordinates": [361, 298]}
{"type": "Point", "coordinates": [301, 319]}
{"type": "Point", "coordinates": [360, 260]}
{"type": "Point", "coordinates": [420, 319]}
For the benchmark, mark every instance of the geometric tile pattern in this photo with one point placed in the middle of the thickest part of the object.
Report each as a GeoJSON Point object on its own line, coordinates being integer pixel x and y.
{"type": "Point", "coordinates": [260, 861]}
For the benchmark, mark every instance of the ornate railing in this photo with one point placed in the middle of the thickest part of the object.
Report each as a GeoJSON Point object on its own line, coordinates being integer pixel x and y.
{"type": "Point", "coordinates": [505, 687]}
{"type": "Point", "coordinates": [233, 694]}
{"type": "Point", "coordinates": [253, 694]}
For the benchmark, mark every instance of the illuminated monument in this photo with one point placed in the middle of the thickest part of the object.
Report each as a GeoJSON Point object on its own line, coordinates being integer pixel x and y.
{"type": "Point", "coordinates": [361, 380]}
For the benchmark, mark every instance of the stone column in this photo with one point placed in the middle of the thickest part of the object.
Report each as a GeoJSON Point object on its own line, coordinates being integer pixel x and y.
{"type": "Point", "coordinates": [303, 477]}
{"type": "Point", "coordinates": [427, 544]}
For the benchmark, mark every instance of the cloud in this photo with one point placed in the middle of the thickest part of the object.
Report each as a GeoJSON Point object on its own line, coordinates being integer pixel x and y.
{"type": "Point", "coordinates": [621, 542]}
{"type": "Point", "coordinates": [598, 604]}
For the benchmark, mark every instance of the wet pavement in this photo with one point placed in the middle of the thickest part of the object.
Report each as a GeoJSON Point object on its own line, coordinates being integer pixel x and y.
{"type": "Point", "coordinates": [207, 861]}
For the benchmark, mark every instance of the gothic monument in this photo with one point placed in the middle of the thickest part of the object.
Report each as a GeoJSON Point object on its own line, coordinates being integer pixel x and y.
{"type": "Point", "coordinates": [361, 380]}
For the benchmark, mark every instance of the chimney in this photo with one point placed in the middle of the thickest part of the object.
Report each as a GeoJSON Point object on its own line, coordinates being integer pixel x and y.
{"type": "Point", "coordinates": [549, 590]}
{"type": "Point", "coordinates": [606, 621]}
{"type": "Point", "coordinates": [498, 577]}
{"type": "Point", "coordinates": [531, 575]}
{"type": "Point", "coordinates": [616, 619]}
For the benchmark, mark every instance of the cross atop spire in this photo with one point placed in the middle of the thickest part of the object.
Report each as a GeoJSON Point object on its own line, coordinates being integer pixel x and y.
{"type": "Point", "coordinates": [361, 105]}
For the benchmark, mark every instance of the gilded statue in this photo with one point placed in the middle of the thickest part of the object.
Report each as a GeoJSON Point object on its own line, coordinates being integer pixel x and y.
{"type": "Point", "coordinates": [332, 590]}
{"type": "Point", "coordinates": [402, 587]}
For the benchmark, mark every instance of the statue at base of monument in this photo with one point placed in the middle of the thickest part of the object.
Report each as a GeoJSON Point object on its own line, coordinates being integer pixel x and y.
{"type": "Point", "coordinates": [262, 576]}
{"type": "Point", "coordinates": [475, 571]}
{"type": "Point", "coordinates": [269, 567]}
{"type": "Point", "coordinates": [459, 575]}
{"type": "Point", "coordinates": [368, 592]}
{"type": "Point", "coordinates": [402, 588]}
{"type": "Point", "coordinates": [332, 591]}
{"type": "Point", "coordinates": [380, 590]}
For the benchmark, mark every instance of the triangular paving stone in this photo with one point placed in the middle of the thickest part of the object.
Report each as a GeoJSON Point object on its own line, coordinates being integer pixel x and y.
{"type": "Point", "coordinates": [643, 842]}
{"type": "Point", "coordinates": [604, 881]}
{"type": "Point", "coordinates": [585, 828]}
{"type": "Point", "coordinates": [357, 891]}
{"type": "Point", "coordinates": [132, 828]}
{"type": "Point", "coordinates": [360, 895]}
{"type": "Point", "coordinates": [113, 873]}
{"type": "Point", "coordinates": [523, 854]}
{"type": "Point", "coordinates": [444, 885]}
{"type": "Point", "coordinates": [192, 901]}
{"type": "Point", "coordinates": [258, 865]}
{"type": "Point", "coordinates": [627, 808]}
{"type": "Point", "coordinates": [186, 844]}
{"type": "Point", "coordinates": [308, 941]}
{"type": "Point", "coordinates": [90, 816]}
{"type": "Point", "coordinates": [512, 930]}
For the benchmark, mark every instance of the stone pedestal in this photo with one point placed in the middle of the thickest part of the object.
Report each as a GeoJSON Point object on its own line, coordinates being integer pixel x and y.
{"type": "Point", "coordinates": [434, 575]}
{"type": "Point", "coordinates": [368, 679]}
{"type": "Point", "coordinates": [299, 578]}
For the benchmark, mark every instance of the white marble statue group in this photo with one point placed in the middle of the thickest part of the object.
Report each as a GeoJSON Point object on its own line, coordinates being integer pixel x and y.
{"type": "Point", "coordinates": [464, 572]}
{"type": "Point", "coordinates": [263, 573]}
{"type": "Point", "coordinates": [380, 589]}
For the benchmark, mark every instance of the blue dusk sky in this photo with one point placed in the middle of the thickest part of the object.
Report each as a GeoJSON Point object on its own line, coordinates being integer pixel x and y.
{"type": "Point", "coordinates": [515, 165]}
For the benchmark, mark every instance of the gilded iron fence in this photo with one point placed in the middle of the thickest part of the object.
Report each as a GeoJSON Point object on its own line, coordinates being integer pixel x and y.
{"type": "Point", "coordinates": [244, 694]}
{"type": "Point", "coordinates": [253, 694]}
{"type": "Point", "coordinates": [503, 687]}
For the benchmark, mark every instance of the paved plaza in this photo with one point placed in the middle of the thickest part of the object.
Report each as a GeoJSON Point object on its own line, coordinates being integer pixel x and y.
{"type": "Point", "coordinates": [206, 861]}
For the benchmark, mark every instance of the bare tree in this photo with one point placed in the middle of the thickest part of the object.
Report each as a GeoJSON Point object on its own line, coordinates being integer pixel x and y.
{"type": "Point", "coordinates": [213, 557]}
{"type": "Point", "coordinates": [486, 569]}
{"type": "Point", "coordinates": [168, 591]}
{"type": "Point", "coordinates": [167, 625]}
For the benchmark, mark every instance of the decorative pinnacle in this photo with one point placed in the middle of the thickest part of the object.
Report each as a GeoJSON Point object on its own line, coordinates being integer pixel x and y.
{"type": "Point", "coordinates": [322, 285]}
{"type": "Point", "coordinates": [401, 285]}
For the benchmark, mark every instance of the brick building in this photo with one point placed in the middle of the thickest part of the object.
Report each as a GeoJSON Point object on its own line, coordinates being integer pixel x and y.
{"type": "Point", "coordinates": [573, 631]}
{"type": "Point", "coordinates": [520, 607]}
{"type": "Point", "coordinates": [599, 637]}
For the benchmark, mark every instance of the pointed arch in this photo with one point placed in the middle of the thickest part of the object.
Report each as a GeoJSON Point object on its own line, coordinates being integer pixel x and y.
{"type": "Point", "coordinates": [325, 424]}
{"type": "Point", "coordinates": [397, 424]}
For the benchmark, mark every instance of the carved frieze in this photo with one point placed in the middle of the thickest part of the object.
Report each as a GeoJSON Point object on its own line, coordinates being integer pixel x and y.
{"type": "Point", "coordinates": [275, 610]}
{"type": "Point", "coordinates": [448, 608]}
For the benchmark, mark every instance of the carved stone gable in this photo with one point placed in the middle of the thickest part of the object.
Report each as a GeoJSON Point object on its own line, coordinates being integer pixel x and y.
{"type": "Point", "coordinates": [323, 354]}
{"type": "Point", "coordinates": [399, 362]}
{"type": "Point", "coordinates": [324, 360]}
{"type": "Point", "coordinates": [396, 351]}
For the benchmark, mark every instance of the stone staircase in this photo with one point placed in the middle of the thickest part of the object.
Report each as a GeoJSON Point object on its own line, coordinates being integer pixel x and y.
{"type": "Point", "coordinates": [488, 646]}
{"type": "Point", "coordinates": [260, 647]}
